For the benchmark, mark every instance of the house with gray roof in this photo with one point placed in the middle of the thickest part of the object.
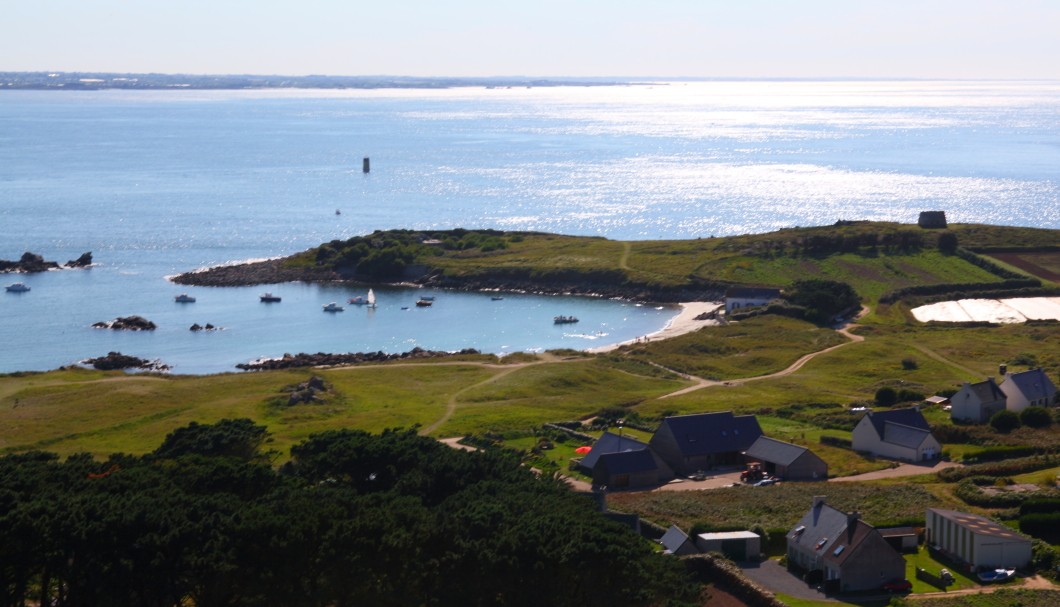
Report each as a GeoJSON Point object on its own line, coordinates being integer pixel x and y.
{"type": "Point", "coordinates": [901, 434]}
{"type": "Point", "coordinates": [978, 402]}
{"type": "Point", "coordinates": [618, 461]}
{"type": "Point", "coordinates": [739, 298]}
{"type": "Point", "coordinates": [788, 461]}
{"type": "Point", "coordinates": [704, 441]}
{"type": "Point", "coordinates": [848, 553]}
{"type": "Point", "coordinates": [1031, 388]}
{"type": "Point", "coordinates": [976, 540]}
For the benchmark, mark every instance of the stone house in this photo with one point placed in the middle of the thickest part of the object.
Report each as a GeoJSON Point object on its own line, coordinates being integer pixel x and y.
{"type": "Point", "coordinates": [848, 553]}
{"type": "Point", "coordinates": [704, 440]}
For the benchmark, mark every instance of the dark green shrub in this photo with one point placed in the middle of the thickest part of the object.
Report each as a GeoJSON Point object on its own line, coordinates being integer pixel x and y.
{"type": "Point", "coordinates": [1036, 417]}
{"type": "Point", "coordinates": [910, 364]}
{"type": "Point", "coordinates": [1005, 421]}
{"type": "Point", "coordinates": [886, 396]}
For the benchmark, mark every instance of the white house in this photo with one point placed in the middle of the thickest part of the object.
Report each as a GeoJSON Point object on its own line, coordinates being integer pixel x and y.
{"type": "Point", "coordinates": [978, 402]}
{"type": "Point", "coordinates": [901, 434]}
{"type": "Point", "coordinates": [1031, 388]}
{"type": "Point", "coordinates": [976, 540]}
{"type": "Point", "coordinates": [738, 298]}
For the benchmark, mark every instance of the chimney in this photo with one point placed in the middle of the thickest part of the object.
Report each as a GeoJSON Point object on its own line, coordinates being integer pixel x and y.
{"type": "Point", "coordinates": [1002, 369]}
{"type": "Point", "coordinates": [852, 521]}
{"type": "Point", "coordinates": [818, 501]}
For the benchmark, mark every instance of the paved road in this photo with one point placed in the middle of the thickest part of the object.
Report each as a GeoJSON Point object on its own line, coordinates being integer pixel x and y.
{"type": "Point", "coordinates": [775, 578]}
{"type": "Point", "coordinates": [901, 470]}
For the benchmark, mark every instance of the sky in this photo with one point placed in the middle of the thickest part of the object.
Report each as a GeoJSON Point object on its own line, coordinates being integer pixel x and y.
{"type": "Point", "coordinates": [1012, 39]}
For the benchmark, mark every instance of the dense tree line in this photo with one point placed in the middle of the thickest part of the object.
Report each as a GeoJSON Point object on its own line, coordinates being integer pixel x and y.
{"type": "Point", "coordinates": [352, 519]}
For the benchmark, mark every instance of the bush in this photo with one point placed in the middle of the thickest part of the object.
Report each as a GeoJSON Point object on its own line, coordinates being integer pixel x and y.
{"type": "Point", "coordinates": [886, 396]}
{"type": "Point", "coordinates": [948, 243]}
{"type": "Point", "coordinates": [910, 364]}
{"type": "Point", "coordinates": [1005, 421]}
{"type": "Point", "coordinates": [1042, 525]}
{"type": "Point", "coordinates": [835, 441]}
{"type": "Point", "coordinates": [1036, 417]}
{"type": "Point", "coordinates": [823, 299]}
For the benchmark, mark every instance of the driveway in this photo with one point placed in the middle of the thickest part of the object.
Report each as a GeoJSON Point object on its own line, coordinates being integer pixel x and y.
{"type": "Point", "coordinates": [775, 578]}
{"type": "Point", "coordinates": [901, 470]}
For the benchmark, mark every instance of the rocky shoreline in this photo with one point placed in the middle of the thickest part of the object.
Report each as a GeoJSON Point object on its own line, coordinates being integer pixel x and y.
{"type": "Point", "coordinates": [30, 263]}
{"type": "Point", "coordinates": [322, 359]}
{"type": "Point", "coordinates": [273, 271]}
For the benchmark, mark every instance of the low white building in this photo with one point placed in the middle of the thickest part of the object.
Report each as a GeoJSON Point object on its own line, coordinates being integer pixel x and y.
{"type": "Point", "coordinates": [737, 545]}
{"type": "Point", "coordinates": [977, 540]}
{"type": "Point", "coordinates": [739, 298]}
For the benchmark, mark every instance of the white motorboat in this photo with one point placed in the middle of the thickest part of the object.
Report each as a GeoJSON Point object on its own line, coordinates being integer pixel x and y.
{"type": "Point", "coordinates": [333, 307]}
{"type": "Point", "coordinates": [17, 287]}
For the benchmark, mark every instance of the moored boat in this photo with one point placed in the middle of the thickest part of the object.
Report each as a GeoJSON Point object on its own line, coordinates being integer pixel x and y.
{"type": "Point", "coordinates": [17, 287]}
{"type": "Point", "coordinates": [425, 302]}
{"type": "Point", "coordinates": [564, 320]}
{"type": "Point", "coordinates": [269, 298]}
{"type": "Point", "coordinates": [371, 298]}
{"type": "Point", "coordinates": [357, 300]}
{"type": "Point", "coordinates": [184, 298]}
{"type": "Point", "coordinates": [333, 307]}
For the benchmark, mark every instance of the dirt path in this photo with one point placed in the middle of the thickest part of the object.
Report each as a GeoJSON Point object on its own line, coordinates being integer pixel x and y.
{"type": "Point", "coordinates": [450, 406]}
{"type": "Point", "coordinates": [1035, 582]}
{"type": "Point", "coordinates": [942, 359]}
{"type": "Point", "coordinates": [795, 366]}
{"type": "Point", "coordinates": [623, 261]}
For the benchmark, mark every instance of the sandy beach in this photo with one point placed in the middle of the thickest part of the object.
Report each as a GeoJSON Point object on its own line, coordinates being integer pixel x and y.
{"type": "Point", "coordinates": [684, 322]}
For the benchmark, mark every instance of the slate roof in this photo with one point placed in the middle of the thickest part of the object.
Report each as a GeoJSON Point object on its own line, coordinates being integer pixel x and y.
{"type": "Point", "coordinates": [628, 462]}
{"type": "Point", "coordinates": [611, 443]}
{"type": "Point", "coordinates": [706, 433]}
{"type": "Point", "coordinates": [1033, 384]}
{"type": "Point", "coordinates": [674, 539]}
{"type": "Point", "coordinates": [752, 292]}
{"type": "Point", "coordinates": [775, 451]}
{"type": "Point", "coordinates": [987, 391]}
{"type": "Point", "coordinates": [848, 538]}
{"type": "Point", "coordinates": [979, 525]}
{"type": "Point", "coordinates": [905, 436]}
{"type": "Point", "coordinates": [821, 525]}
{"type": "Point", "coordinates": [911, 417]}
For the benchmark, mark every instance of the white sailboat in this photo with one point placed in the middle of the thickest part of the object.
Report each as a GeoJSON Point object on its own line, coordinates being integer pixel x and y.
{"type": "Point", "coordinates": [371, 298]}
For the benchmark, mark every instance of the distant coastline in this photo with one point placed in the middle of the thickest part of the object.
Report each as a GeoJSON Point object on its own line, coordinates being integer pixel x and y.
{"type": "Point", "coordinates": [92, 81]}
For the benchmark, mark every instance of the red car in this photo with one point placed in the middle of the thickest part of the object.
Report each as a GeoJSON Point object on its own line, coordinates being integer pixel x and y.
{"type": "Point", "coordinates": [898, 586]}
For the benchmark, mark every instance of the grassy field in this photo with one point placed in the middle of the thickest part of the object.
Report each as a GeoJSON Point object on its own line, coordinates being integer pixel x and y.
{"type": "Point", "coordinates": [1007, 597]}
{"type": "Point", "coordinates": [778, 507]}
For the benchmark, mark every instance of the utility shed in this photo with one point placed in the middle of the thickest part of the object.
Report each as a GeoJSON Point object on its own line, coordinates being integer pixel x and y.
{"type": "Point", "coordinates": [788, 461]}
{"type": "Point", "coordinates": [902, 539]}
{"type": "Point", "coordinates": [677, 542]}
{"type": "Point", "coordinates": [737, 545]}
{"type": "Point", "coordinates": [977, 540]}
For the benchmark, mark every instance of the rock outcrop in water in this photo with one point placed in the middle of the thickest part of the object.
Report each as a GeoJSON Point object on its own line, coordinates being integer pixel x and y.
{"type": "Point", "coordinates": [127, 323]}
{"type": "Point", "coordinates": [116, 360]}
{"type": "Point", "coordinates": [322, 359]}
{"type": "Point", "coordinates": [32, 262]}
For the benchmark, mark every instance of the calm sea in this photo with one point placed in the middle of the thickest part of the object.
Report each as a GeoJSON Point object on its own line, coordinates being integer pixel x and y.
{"type": "Point", "coordinates": [156, 183]}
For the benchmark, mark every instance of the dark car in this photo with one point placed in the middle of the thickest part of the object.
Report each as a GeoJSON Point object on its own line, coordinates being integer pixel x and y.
{"type": "Point", "coordinates": [898, 586]}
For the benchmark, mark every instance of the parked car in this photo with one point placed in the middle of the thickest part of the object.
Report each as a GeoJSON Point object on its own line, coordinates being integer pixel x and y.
{"type": "Point", "coordinates": [898, 586]}
{"type": "Point", "coordinates": [765, 482]}
{"type": "Point", "coordinates": [698, 475]}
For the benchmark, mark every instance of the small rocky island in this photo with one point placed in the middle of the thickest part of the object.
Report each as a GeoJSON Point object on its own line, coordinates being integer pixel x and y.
{"type": "Point", "coordinates": [127, 323]}
{"type": "Point", "coordinates": [114, 361]}
{"type": "Point", "coordinates": [32, 262]}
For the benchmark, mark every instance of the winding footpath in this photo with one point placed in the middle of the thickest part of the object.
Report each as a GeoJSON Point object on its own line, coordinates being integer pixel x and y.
{"type": "Point", "coordinates": [701, 383]}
